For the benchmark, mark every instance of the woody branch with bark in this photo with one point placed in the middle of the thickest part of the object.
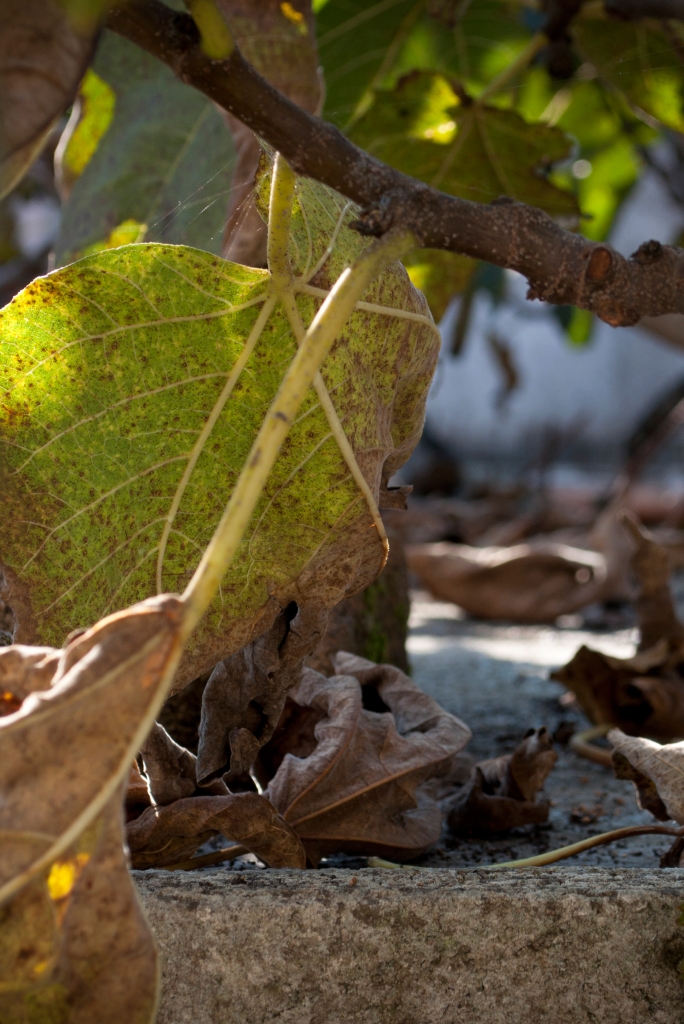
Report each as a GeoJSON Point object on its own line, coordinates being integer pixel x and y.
{"type": "Point", "coordinates": [562, 268]}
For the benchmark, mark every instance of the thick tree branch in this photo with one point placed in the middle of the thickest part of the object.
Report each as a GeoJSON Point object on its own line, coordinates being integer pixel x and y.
{"type": "Point", "coordinates": [631, 10]}
{"type": "Point", "coordinates": [561, 267]}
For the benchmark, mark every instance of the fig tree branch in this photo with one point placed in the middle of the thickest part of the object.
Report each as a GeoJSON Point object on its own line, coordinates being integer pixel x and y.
{"type": "Point", "coordinates": [561, 267]}
{"type": "Point", "coordinates": [631, 10]}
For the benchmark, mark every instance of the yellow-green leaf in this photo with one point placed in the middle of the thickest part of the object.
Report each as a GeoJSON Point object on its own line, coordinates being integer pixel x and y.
{"type": "Point", "coordinates": [126, 417]}
{"type": "Point", "coordinates": [91, 118]}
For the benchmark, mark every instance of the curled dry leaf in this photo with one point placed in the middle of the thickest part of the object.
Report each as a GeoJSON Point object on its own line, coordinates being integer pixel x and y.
{"type": "Point", "coordinates": [65, 755]}
{"type": "Point", "coordinates": [645, 693]}
{"type": "Point", "coordinates": [351, 756]}
{"type": "Point", "coordinates": [163, 836]}
{"type": "Point", "coordinates": [520, 583]}
{"type": "Point", "coordinates": [656, 766]}
{"type": "Point", "coordinates": [43, 57]}
{"type": "Point", "coordinates": [171, 769]}
{"type": "Point", "coordinates": [501, 793]}
{"type": "Point", "coordinates": [244, 697]}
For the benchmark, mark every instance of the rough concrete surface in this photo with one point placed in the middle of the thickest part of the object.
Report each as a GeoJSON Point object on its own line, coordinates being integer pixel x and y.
{"type": "Point", "coordinates": [540, 946]}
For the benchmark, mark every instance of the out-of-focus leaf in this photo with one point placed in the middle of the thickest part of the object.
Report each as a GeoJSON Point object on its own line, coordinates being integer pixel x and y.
{"type": "Point", "coordinates": [519, 583]}
{"type": "Point", "coordinates": [127, 233]}
{"type": "Point", "coordinates": [90, 118]}
{"type": "Point", "coordinates": [42, 59]}
{"type": "Point", "coordinates": [439, 275]}
{"type": "Point", "coordinates": [502, 792]}
{"type": "Point", "coordinates": [476, 152]}
{"type": "Point", "coordinates": [636, 58]}
{"type": "Point", "coordinates": [359, 43]}
{"type": "Point", "coordinates": [114, 471]}
{"type": "Point", "coordinates": [166, 160]}
{"type": "Point", "coordinates": [64, 761]}
{"type": "Point", "coordinates": [645, 693]}
{"type": "Point", "coordinates": [485, 41]}
{"type": "Point", "coordinates": [377, 738]}
{"type": "Point", "coordinates": [163, 836]}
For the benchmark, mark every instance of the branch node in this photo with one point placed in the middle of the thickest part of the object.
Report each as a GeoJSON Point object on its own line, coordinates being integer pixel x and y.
{"type": "Point", "coordinates": [377, 219]}
{"type": "Point", "coordinates": [600, 264]}
{"type": "Point", "coordinates": [648, 252]}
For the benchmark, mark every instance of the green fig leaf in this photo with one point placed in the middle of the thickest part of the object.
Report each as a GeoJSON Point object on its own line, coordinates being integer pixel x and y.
{"type": "Point", "coordinates": [121, 439]}
{"type": "Point", "coordinates": [637, 59]}
{"type": "Point", "coordinates": [423, 128]}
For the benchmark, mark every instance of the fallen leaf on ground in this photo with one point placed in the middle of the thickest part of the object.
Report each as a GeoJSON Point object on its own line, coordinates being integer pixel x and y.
{"type": "Point", "coordinates": [501, 793]}
{"type": "Point", "coordinates": [65, 757]}
{"type": "Point", "coordinates": [644, 693]}
{"type": "Point", "coordinates": [244, 697]}
{"type": "Point", "coordinates": [520, 583]}
{"type": "Point", "coordinates": [163, 836]}
{"type": "Point", "coordinates": [351, 757]}
{"type": "Point", "coordinates": [171, 770]}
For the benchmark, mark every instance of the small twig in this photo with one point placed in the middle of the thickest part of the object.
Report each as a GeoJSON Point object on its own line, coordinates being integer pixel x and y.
{"type": "Point", "coordinates": [540, 860]}
{"type": "Point", "coordinates": [581, 743]}
{"type": "Point", "coordinates": [587, 844]}
{"type": "Point", "coordinates": [562, 267]}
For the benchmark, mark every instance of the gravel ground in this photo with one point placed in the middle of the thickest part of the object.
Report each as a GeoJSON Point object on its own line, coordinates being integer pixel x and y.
{"type": "Point", "coordinates": [496, 678]}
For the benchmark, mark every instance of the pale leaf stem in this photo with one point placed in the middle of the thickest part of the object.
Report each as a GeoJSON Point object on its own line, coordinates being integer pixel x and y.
{"type": "Point", "coordinates": [317, 342]}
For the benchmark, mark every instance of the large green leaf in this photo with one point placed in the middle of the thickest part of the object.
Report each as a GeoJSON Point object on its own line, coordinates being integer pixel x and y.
{"type": "Point", "coordinates": [111, 368]}
{"type": "Point", "coordinates": [637, 59]}
{"type": "Point", "coordinates": [469, 150]}
{"type": "Point", "coordinates": [165, 161]}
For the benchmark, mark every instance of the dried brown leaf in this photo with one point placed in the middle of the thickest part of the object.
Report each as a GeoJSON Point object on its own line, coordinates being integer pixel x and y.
{"type": "Point", "coordinates": [75, 946]}
{"type": "Point", "coordinates": [652, 566]}
{"type": "Point", "coordinates": [644, 693]}
{"type": "Point", "coordinates": [501, 793]}
{"type": "Point", "coordinates": [646, 791]}
{"type": "Point", "coordinates": [521, 583]}
{"type": "Point", "coordinates": [244, 697]}
{"type": "Point", "coordinates": [42, 60]}
{"type": "Point", "coordinates": [171, 769]}
{"type": "Point", "coordinates": [163, 836]}
{"type": "Point", "coordinates": [663, 765]}
{"type": "Point", "coordinates": [65, 758]}
{"type": "Point", "coordinates": [358, 790]}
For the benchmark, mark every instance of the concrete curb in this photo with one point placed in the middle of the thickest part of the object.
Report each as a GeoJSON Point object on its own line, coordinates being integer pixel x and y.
{"type": "Point", "coordinates": [540, 946]}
